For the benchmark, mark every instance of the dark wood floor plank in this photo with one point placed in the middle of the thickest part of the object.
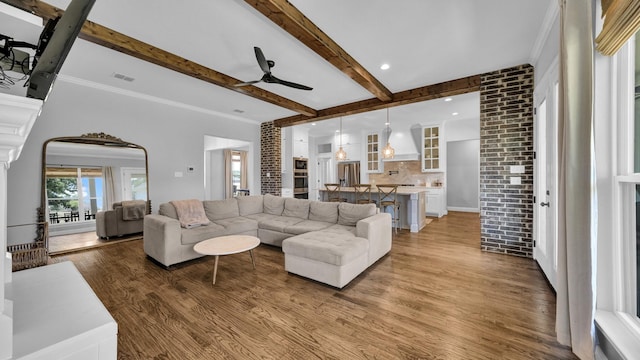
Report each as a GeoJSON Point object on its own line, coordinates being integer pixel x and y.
{"type": "Point", "coordinates": [435, 296]}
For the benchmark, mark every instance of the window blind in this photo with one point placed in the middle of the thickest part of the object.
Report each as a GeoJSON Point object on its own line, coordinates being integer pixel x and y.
{"type": "Point", "coordinates": [621, 21]}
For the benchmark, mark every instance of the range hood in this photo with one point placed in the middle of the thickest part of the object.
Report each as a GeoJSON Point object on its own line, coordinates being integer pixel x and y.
{"type": "Point", "coordinates": [407, 153]}
{"type": "Point", "coordinates": [404, 157]}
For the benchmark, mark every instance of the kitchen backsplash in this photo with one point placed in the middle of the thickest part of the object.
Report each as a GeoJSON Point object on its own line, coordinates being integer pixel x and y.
{"type": "Point", "coordinates": [405, 172]}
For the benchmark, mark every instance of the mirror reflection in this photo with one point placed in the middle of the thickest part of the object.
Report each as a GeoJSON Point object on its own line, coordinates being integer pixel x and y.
{"type": "Point", "coordinates": [85, 180]}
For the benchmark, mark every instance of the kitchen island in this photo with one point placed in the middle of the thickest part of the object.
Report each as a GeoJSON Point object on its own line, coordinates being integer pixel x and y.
{"type": "Point", "coordinates": [412, 201]}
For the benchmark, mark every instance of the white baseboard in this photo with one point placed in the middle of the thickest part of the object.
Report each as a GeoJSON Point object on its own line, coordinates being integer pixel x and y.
{"type": "Point", "coordinates": [463, 209]}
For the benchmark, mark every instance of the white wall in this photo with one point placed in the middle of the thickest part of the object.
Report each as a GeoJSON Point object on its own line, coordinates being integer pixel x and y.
{"type": "Point", "coordinates": [463, 129]}
{"type": "Point", "coordinates": [216, 174]}
{"type": "Point", "coordinates": [549, 52]}
{"type": "Point", "coordinates": [172, 136]}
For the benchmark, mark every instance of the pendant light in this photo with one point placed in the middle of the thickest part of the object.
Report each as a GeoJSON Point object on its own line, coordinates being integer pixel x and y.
{"type": "Point", "coordinates": [388, 152]}
{"type": "Point", "coordinates": [341, 154]}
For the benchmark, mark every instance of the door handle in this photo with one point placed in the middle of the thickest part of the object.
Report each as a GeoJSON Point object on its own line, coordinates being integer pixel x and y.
{"type": "Point", "coordinates": [544, 204]}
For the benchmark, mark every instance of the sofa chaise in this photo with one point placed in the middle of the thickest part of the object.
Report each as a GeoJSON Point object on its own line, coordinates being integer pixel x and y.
{"type": "Point", "coordinates": [327, 242]}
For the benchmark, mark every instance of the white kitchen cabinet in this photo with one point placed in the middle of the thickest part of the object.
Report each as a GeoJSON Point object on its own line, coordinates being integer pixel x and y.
{"type": "Point", "coordinates": [300, 148]}
{"type": "Point", "coordinates": [373, 154]}
{"type": "Point", "coordinates": [436, 204]}
{"type": "Point", "coordinates": [432, 159]}
{"type": "Point", "coordinates": [299, 142]}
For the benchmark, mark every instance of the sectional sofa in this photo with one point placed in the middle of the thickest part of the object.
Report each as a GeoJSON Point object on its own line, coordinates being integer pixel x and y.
{"type": "Point", "coordinates": [328, 242]}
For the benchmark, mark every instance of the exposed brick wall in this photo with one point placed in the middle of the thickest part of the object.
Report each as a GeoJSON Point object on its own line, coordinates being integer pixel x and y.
{"type": "Point", "coordinates": [506, 139]}
{"type": "Point", "coordinates": [270, 148]}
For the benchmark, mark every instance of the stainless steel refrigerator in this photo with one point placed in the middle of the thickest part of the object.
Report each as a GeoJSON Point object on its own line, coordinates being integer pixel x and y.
{"type": "Point", "coordinates": [349, 173]}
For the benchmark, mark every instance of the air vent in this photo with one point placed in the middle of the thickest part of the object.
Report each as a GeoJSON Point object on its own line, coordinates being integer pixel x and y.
{"type": "Point", "coordinates": [123, 77]}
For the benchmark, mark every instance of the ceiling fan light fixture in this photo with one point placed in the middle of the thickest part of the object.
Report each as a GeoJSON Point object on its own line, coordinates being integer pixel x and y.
{"type": "Point", "coordinates": [267, 77]}
{"type": "Point", "coordinates": [341, 154]}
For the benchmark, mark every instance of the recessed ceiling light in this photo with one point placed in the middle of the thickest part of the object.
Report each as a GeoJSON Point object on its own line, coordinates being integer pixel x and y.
{"type": "Point", "coordinates": [337, 131]}
{"type": "Point", "coordinates": [313, 124]}
{"type": "Point", "coordinates": [384, 66]}
{"type": "Point", "coordinates": [454, 114]}
{"type": "Point", "coordinates": [448, 99]}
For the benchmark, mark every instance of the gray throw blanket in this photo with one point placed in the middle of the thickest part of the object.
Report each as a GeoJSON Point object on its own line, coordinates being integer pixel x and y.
{"type": "Point", "coordinates": [190, 213]}
{"type": "Point", "coordinates": [133, 209]}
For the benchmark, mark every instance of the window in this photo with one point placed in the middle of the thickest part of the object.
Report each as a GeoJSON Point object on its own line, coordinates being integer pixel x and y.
{"type": "Point", "coordinates": [617, 152]}
{"type": "Point", "coordinates": [73, 193]}
{"type": "Point", "coordinates": [636, 167]}
{"type": "Point", "coordinates": [628, 182]}
{"type": "Point", "coordinates": [134, 183]}
{"type": "Point", "coordinates": [236, 169]}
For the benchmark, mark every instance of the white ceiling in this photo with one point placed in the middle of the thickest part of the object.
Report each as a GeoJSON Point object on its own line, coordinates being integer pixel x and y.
{"type": "Point", "coordinates": [424, 41]}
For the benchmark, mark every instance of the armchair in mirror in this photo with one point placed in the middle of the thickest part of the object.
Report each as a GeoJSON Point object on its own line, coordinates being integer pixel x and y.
{"type": "Point", "coordinates": [87, 180]}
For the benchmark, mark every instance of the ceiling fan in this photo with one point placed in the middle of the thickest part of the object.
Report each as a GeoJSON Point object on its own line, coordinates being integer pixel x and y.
{"type": "Point", "coordinates": [266, 66]}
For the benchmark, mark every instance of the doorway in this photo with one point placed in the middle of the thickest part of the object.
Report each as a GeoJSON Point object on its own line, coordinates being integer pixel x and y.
{"type": "Point", "coordinates": [134, 183]}
{"type": "Point", "coordinates": [325, 174]}
{"type": "Point", "coordinates": [545, 173]}
{"type": "Point", "coordinates": [463, 175]}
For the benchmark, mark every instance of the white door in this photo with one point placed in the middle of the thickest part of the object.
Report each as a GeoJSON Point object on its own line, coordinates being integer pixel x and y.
{"type": "Point", "coordinates": [545, 184]}
{"type": "Point", "coordinates": [325, 174]}
{"type": "Point", "coordinates": [134, 184]}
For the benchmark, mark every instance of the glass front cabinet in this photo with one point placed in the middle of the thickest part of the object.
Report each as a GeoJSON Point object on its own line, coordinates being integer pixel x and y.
{"type": "Point", "coordinates": [373, 155]}
{"type": "Point", "coordinates": [431, 151]}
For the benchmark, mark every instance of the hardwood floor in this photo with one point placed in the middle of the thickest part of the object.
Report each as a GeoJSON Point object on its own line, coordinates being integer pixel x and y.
{"type": "Point", "coordinates": [435, 296]}
{"type": "Point", "coordinates": [84, 241]}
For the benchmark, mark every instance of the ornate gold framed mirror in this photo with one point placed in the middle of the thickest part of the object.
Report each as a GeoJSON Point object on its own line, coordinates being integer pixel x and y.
{"type": "Point", "coordinates": [77, 179]}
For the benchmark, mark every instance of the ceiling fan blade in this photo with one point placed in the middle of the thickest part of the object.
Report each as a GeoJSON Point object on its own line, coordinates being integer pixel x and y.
{"type": "Point", "coordinates": [247, 83]}
{"type": "Point", "coordinates": [289, 83]}
{"type": "Point", "coordinates": [262, 61]}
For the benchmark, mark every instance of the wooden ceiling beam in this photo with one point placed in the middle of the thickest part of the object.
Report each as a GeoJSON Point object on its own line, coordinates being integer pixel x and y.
{"type": "Point", "coordinates": [429, 92]}
{"type": "Point", "coordinates": [289, 18]}
{"type": "Point", "coordinates": [114, 40]}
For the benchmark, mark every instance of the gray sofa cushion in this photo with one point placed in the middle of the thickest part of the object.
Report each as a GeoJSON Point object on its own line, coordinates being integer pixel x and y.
{"type": "Point", "coordinates": [262, 217]}
{"type": "Point", "coordinates": [305, 226]}
{"type": "Point", "coordinates": [279, 223]}
{"type": "Point", "coordinates": [238, 224]}
{"type": "Point", "coordinates": [340, 230]}
{"type": "Point", "coordinates": [249, 205]}
{"type": "Point", "coordinates": [350, 214]}
{"type": "Point", "coordinates": [221, 209]}
{"type": "Point", "coordinates": [200, 233]}
{"type": "Point", "coordinates": [167, 209]}
{"type": "Point", "coordinates": [273, 205]}
{"type": "Point", "coordinates": [323, 211]}
{"type": "Point", "coordinates": [316, 245]}
{"type": "Point", "coordinates": [296, 208]}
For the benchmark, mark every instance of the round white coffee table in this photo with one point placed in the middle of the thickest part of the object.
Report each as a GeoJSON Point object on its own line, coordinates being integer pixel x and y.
{"type": "Point", "coordinates": [227, 245]}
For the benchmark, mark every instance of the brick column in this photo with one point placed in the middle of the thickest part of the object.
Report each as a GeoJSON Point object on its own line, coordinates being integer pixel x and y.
{"type": "Point", "coordinates": [506, 139]}
{"type": "Point", "coordinates": [270, 150]}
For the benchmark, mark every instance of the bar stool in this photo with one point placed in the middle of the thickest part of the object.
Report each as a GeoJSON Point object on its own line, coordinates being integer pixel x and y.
{"type": "Point", "coordinates": [362, 194]}
{"type": "Point", "coordinates": [333, 193]}
{"type": "Point", "coordinates": [388, 197]}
